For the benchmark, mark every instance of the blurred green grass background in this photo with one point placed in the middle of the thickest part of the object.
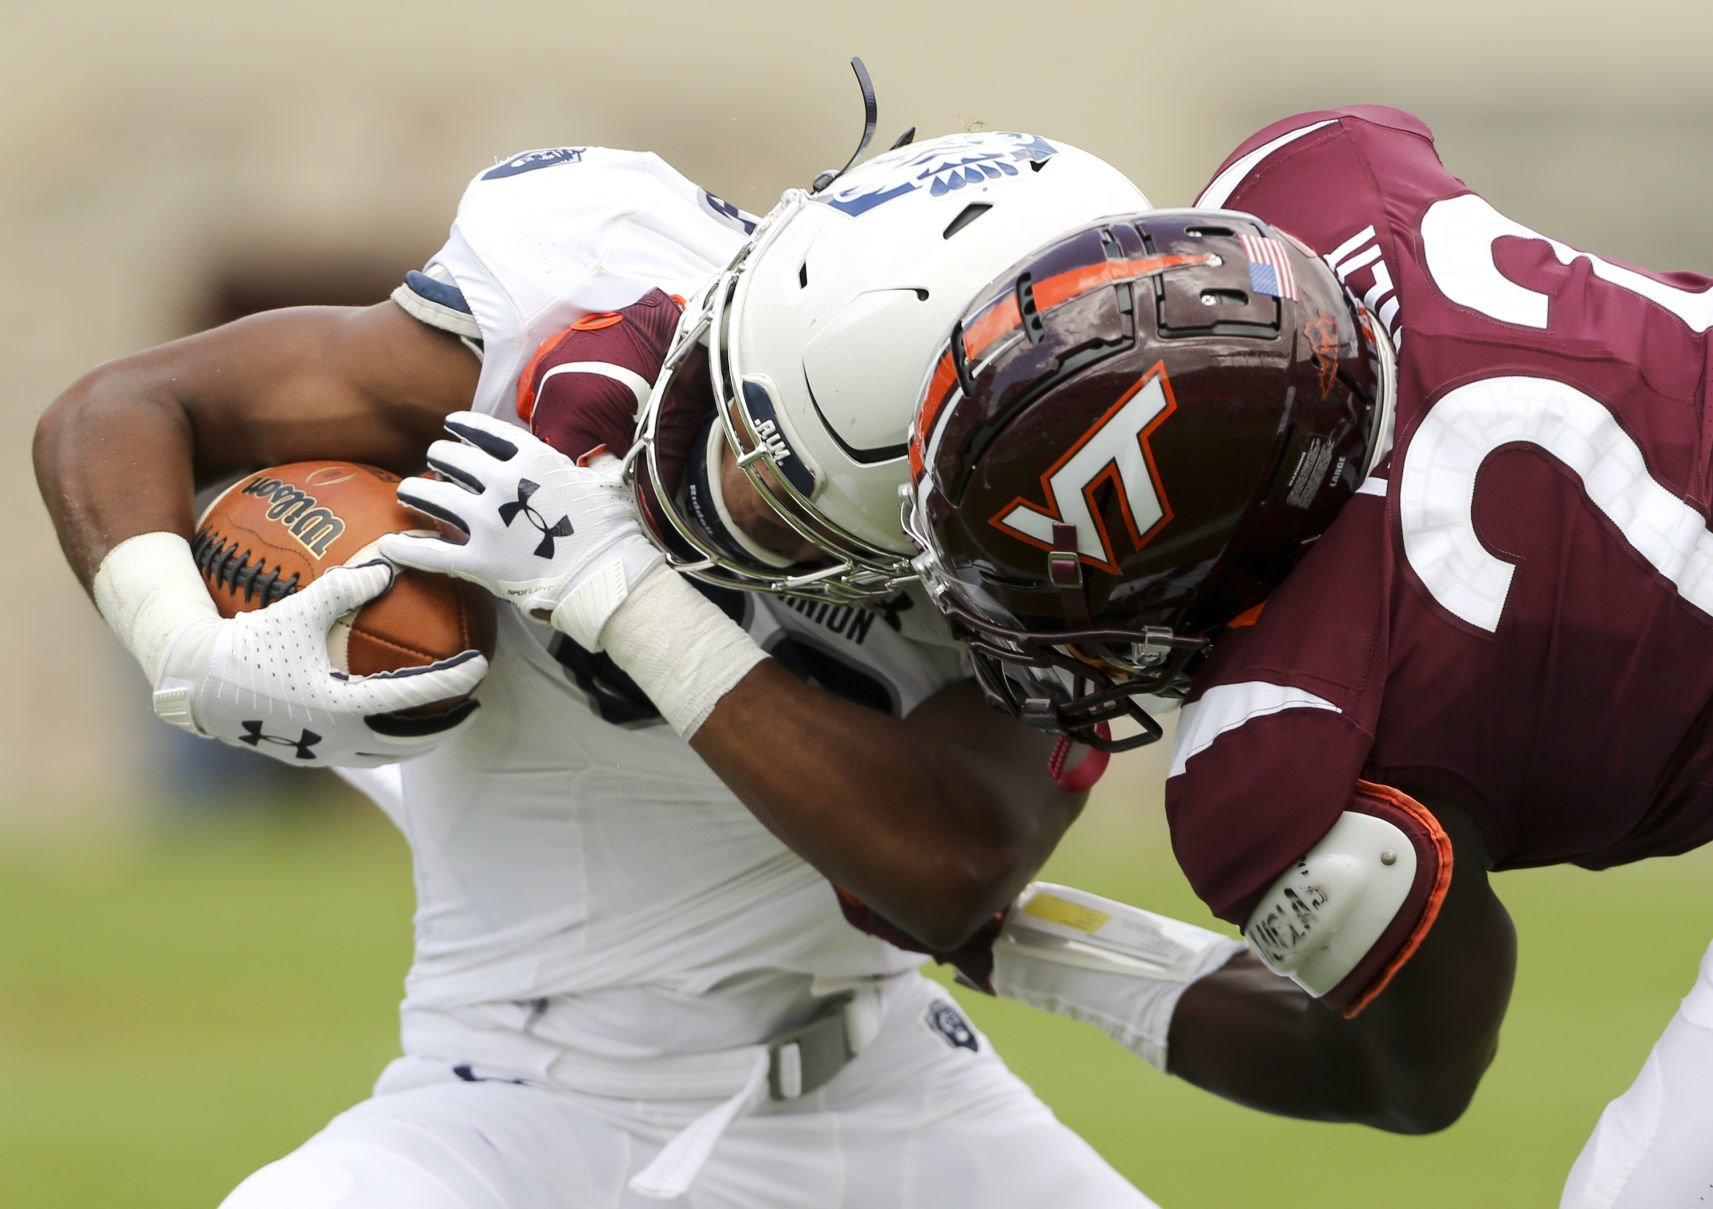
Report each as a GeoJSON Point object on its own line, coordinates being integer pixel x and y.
{"type": "Point", "coordinates": [178, 1008]}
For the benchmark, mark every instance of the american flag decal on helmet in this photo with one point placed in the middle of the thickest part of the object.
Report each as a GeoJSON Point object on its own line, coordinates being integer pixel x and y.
{"type": "Point", "coordinates": [1269, 267]}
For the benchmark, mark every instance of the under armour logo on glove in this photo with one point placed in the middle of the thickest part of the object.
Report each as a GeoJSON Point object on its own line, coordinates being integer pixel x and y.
{"type": "Point", "coordinates": [236, 678]}
{"type": "Point", "coordinates": [305, 743]}
{"type": "Point", "coordinates": [559, 528]}
{"type": "Point", "coordinates": [583, 565]}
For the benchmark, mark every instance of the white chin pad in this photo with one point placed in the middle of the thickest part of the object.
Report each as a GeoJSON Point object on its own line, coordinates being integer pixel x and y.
{"type": "Point", "coordinates": [1324, 916]}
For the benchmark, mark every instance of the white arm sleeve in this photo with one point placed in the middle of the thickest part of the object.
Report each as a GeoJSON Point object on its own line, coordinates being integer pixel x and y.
{"type": "Point", "coordinates": [1117, 967]}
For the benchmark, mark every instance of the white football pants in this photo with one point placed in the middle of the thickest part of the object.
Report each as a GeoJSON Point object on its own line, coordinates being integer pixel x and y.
{"type": "Point", "coordinates": [1653, 1146]}
{"type": "Point", "coordinates": [919, 1118]}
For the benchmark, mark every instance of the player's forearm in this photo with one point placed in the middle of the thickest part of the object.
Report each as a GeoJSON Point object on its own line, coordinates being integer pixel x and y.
{"type": "Point", "coordinates": [1408, 1062]}
{"type": "Point", "coordinates": [935, 822]}
{"type": "Point", "coordinates": [903, 822]}
{"type": "Point", "coordinates": [112, 462]}
{"type": "Point", "coordinates": [1258, 1039]}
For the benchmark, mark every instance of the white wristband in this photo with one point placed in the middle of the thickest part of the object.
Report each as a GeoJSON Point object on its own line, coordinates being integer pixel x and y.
{"type": "Point", "coordinates": [679, 648]}
{"type": "Point", "coordinates": [148, 589]}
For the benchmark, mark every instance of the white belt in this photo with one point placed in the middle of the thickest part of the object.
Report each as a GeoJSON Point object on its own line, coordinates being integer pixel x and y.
{"type": "Point", "coordinates": [793, 1063]}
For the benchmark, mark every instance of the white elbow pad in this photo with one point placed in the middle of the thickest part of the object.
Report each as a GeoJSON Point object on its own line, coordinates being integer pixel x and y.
{"type": "Point", "coordinates": [1343, 919]}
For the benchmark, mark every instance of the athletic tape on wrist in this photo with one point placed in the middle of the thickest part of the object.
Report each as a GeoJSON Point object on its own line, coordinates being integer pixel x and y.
{"type": "Point", "coordinates": [147, 589]}
{"type": "Point", "coordinates": [1117, 967]}
{"type": "Point", "coordinates": [679, 648]}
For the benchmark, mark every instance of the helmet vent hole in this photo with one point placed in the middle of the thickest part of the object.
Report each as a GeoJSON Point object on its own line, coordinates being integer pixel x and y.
{"type": "Point", "coordinates": [1224, 298]}
{"type": "Point", "coordinates": [1034, 327]}
{"type": "Point", "coordinates": [960, 361]}
{"type": "Point", "coordinates": [1204, 232]}
{"type": "Point", "coordinates": [965, 217]}
{"type": "Point", "coordinates": [803, 276]}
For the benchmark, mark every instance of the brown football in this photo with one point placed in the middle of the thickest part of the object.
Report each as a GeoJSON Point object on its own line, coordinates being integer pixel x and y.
{"type": "Point", "coordinates": [275, 531]}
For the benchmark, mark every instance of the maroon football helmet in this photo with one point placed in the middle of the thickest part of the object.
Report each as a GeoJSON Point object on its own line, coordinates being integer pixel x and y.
{"type": "Point", "coordinates": [1125, 444]}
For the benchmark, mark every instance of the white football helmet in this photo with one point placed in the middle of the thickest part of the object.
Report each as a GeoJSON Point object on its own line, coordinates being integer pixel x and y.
{"type": "Point", "coordinates": [821, 330]}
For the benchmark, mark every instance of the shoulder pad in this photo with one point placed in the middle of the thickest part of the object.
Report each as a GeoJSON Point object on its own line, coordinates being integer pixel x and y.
{"type": "Point", "coordinates": [585, 385]}
{"type": "Point", "coordinates": [1354, 908]}
{"type": "Point", "coordinates": [431, 297]}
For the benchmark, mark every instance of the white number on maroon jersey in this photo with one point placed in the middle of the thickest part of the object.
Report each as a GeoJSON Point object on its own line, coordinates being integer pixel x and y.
{"type": "Point", "coordinates": [1437, 483]}
{"type": "Point", "coordinates": [1458, 238]}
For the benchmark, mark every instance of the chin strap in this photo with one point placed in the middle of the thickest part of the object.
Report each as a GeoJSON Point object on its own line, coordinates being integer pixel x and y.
{"type": "Point", "coordinates": [1065, 572]}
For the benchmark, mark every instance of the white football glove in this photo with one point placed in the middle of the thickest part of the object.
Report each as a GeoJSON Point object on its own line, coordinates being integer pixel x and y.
{"type": "Point", "coordinates": [557, 539]}
{"type": "Point", "coordinates": [263, 680]}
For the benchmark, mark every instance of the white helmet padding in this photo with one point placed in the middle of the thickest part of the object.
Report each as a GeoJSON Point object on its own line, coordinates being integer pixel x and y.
{"type": "Point", "coordinates": [820, 331]}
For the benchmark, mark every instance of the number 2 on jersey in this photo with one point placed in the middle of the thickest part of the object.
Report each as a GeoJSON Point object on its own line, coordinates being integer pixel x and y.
{"type": "Point", "coordinates": [1437, 481]}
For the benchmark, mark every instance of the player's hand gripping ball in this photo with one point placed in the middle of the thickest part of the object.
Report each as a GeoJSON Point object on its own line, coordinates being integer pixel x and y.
{"type": "Point", "coordinates": [323, 654]}
{"type": "Point", "coordinates": [558, 539]}
{"type": "Point", "coordinates": [277, 531]}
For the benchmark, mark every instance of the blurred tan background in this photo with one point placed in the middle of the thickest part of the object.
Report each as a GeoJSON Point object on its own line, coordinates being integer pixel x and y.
{"type": "Point", "coordinates": [181, 1003]}
{"type": "Point", "coordinates": [169, 164]}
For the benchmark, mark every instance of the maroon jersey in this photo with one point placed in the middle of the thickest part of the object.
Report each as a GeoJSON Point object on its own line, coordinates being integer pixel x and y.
{"type": "Point", "coordinates": [585, 385]}
{"type": "Point", "coordinates": [1515, 614]}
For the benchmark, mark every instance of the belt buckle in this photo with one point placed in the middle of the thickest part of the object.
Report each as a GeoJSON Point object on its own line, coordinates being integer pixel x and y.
{"type": "Point", "coordinates": [804, 1059]}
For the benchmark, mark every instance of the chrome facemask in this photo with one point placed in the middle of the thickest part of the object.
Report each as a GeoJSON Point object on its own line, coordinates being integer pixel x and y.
{"type": "Point", "coordinates": [855, 569]}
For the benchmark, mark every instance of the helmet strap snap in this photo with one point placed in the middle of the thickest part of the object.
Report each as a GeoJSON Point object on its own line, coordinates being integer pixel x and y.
{"type": "Point", "coordinates": [1065, 572]}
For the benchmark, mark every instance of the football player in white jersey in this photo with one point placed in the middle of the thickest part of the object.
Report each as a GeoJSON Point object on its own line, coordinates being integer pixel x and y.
{"type": "Point", "coordinates": [632, 983]}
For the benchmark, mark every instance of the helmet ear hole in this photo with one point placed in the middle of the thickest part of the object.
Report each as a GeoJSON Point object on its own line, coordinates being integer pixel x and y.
{"type": "Point", "coordinates": [1034, 327]}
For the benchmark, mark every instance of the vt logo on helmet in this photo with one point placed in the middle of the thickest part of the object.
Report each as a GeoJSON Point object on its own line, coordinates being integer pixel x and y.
{"type": "Point", "coordinates": [1115, 451]}
{"type": "Point", "coordinates": [816, 337]}
{"type": "Point", "coordinates": [1127, 441]}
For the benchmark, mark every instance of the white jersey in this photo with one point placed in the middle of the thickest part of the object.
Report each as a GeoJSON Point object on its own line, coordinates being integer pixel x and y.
{"type": "Point", "coordinates": [550, 236]}
{"type": "Point", "coordinates": [583, 879]}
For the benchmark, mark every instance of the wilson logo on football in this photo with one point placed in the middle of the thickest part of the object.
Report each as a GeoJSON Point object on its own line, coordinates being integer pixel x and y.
{"type": "Point", "coordinates": [313, 527]}
{"type": "Point", "coordinates": [1114, 450]}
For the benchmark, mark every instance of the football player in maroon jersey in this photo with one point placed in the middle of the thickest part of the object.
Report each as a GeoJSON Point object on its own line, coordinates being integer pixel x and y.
{"type": "Point", "coordinates": [1482, 456]}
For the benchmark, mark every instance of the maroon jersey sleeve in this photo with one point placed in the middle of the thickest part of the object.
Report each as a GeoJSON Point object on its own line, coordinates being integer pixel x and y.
{"type": "Point", "coordinates": [1271, 744]}
{"type": "Point", "coordinates": [1351, 183]}
{"type": "Point", "coordinates": [585, 385]}
{"type": "Point", "coordinates": [1368, 156]}
{"type": "Point", "coordinates": [1518, 620]}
